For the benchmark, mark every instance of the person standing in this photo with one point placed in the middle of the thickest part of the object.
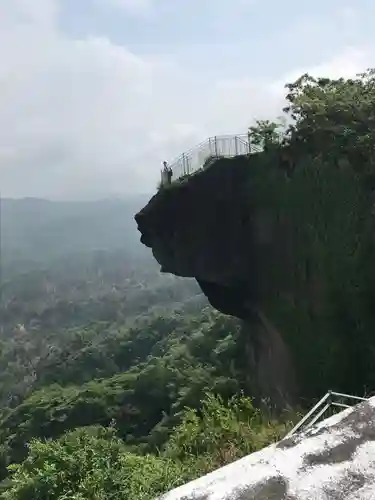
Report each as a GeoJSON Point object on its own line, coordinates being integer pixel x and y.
{"type": "Point", "coordinates": [167, 172]}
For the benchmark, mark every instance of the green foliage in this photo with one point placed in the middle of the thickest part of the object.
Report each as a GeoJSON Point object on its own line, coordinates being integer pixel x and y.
{"type": "Point", "coordinates": [174, 361]}
{"type": "Point", "coordinates": [93, 463]}
{"type": "Point", "coordinates": [223, 431]}
{"type": "Point", "coordinates": [334, 118]}
{"type": "Point", "coordinates": [267, 134]}
{"type": "Point", "coordinates": [89, 464]}
{"type": "Point", "coordinates": [319, 294]}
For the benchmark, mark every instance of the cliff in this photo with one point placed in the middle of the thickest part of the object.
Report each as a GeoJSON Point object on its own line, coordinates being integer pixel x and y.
{"type": "Point", "coordinates": [207, 227]}
{"type": "Point", "coordinates": [268, 245]}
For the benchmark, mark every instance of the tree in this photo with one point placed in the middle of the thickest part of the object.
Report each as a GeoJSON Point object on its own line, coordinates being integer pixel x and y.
{"type": "Point", "coordinates": [334, 118]}
{"type": "Point", "coordinates": [267, 134]}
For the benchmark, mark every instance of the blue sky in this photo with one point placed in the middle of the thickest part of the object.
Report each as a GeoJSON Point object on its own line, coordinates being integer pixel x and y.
{"type": "Point", "coordinates": [96, 93]}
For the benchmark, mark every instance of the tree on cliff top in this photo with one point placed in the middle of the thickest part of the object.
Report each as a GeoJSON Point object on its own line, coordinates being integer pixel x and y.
{"type": "Point", "coordinates": [334, 117]}
{"type": "Point", "coordinates": [330, 119]}
{"type": "Point", "coordinates": [266, 133]}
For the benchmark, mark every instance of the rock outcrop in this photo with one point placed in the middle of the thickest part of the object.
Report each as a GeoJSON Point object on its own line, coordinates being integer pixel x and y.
{"type": "Point", "coordinates": [204, 227]}
{"type": "Point", "coordinates": [271, 247]}
{"type": "Point", "coordinates": [334, 460]}
{"type": "Point", "coordinates": [209, 228]}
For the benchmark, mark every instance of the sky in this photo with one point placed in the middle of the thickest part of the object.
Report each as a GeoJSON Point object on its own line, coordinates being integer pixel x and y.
{"type": "Point", "coordinates": [95, 94]}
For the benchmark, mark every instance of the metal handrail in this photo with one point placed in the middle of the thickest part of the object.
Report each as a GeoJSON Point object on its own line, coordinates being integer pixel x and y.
{"type": "Point", "coordinates": [219, 146]}
{"type": "Point", "coordinates": [327, 401]}
{"type": "Point", "coordinates": [243, 137]}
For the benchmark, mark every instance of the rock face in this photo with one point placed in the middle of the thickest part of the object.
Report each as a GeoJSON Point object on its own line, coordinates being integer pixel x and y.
{"type": "Point", "coordinates": [335, 460]}
{"type": "Point", "coordinates": [208, 228]}
{"type": "Point", "coordinates": [204, 228]}
{"type": "Point", "coordinates": [284, 251]}
{"type": "Point", "coordinates": [281, 251]}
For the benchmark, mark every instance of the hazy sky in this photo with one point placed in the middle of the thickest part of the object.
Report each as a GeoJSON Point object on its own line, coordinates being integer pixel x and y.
{"type": "Point", "coordinates": [96, 93]}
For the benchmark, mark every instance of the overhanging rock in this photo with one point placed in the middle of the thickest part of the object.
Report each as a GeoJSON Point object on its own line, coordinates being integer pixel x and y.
{"type": "Point", "coordinates": [334, 459]}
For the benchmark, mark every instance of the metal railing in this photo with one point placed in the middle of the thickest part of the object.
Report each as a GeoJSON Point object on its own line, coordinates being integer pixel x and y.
{"type": "Point", "coordinates": [220, 146]}
{"type": "Point", "coordinates": [321, 407]}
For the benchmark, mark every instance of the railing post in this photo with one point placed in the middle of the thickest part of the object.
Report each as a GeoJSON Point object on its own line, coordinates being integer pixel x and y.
{"type": "Point", "coordinates": [325, 399]}
{"type": "Point", "coordinates": [249, 140]}
{"type": "Point", "coordinates": [236, 145]}
{"type": "Point", "coordinates": [215, 138]}
{"type": "Point", "coordinates": [183, 164]}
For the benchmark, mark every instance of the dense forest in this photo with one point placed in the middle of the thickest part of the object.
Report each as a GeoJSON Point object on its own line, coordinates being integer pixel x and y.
{"type": "Point", "coordinates": [127, 372]}
{"type": "Point", "coordinates": [121, 382]}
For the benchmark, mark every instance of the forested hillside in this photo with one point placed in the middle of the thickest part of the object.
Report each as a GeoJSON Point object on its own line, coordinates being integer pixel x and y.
{"type": "Point", "coordinates": [95, 342]}
{"type": "Point", "coordinates": [35, 232]}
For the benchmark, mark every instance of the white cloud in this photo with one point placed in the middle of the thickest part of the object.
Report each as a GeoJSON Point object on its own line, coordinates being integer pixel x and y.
{"type": "Point", "coordinates": [87, 117]}
{"type": "Point", "coordinates": [347, 64]}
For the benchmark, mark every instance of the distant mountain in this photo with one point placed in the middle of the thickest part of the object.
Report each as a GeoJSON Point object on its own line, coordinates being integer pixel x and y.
{"type": "Point", "coordinates": [34, 232]}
